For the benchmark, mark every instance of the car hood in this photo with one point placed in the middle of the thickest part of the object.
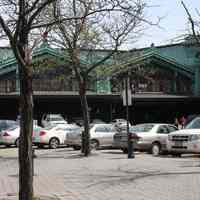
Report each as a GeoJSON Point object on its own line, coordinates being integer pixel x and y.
{"type": "Point", "coordinates": [186, 131]}
{"type": "Point", "coordinates": [13, 131]}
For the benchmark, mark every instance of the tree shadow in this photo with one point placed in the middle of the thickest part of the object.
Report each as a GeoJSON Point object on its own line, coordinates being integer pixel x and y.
{"type": "Point", "coordinates": [130, 176]}
{"type": "Point", "coordinates": [81, 156]}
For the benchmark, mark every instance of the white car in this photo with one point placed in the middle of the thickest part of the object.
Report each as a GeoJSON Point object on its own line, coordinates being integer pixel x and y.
{"type": "Point", "coordinates": [53, 136]}
{"type": "Point", "coordinates": [101, 135]}
{"type": "Point", "coordinates": [11, 136]}
{"type": "Point", "coordinates": [120, 122]}
{"type": "Point", "coordinates": [186, 140]}
{"type": "Point", "coordinates": [53, 119]}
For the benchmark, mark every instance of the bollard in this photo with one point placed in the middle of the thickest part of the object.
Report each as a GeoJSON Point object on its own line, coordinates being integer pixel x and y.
{"type": "Point", "coordinates": [131, 153]}
{"type": "Point", "coordinates": [33, 156]}
{"type": "Point", "coordinates": [33, 153]}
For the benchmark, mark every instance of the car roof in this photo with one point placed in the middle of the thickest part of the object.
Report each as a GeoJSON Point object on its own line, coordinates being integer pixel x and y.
{"type": "Point", "coordinates": [102, 124]}
{"type": "Point", "coordinates": [66, 125]}
{"type": "Point", "coordinates": [153, 124]}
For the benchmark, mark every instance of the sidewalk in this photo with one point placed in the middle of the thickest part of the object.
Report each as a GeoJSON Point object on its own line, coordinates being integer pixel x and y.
{"type": "Point", "coordinates": [106, 175]}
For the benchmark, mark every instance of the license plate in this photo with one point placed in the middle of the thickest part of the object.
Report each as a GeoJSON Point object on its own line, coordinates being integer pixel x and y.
{"type": "Point", "coordinates": [36, 139]}
{"type": "Point", "coordinates": [124, 139]}
{"type": "Point", "coordinates": [179, 143]}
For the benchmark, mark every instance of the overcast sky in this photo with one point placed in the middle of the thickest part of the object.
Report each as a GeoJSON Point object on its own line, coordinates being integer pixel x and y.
{"type": "Point", "coordinates": [174, 23]}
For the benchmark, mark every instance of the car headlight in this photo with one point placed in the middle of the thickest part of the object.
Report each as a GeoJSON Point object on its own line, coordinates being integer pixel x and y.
{"type": "Point", "coordinates": [170, 137]}
{"type": "Point", "coordinates": [194, 137]}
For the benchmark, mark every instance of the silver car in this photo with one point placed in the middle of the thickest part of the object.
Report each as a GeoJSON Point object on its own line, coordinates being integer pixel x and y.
{"type": "Point", "coordinates": [149, 137]}
{"type": "Point", "coordinates": [101, 135]}
{"type": "Point", "coordinates": [73, 138]}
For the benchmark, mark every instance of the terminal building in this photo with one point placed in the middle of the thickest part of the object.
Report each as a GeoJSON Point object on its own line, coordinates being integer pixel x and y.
{"type": "Point", "coordinates": [164, 80]}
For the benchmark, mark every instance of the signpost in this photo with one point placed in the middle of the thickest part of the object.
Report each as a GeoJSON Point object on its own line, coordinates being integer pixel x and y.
{"type": "Point", "coordinates": [127, 101]}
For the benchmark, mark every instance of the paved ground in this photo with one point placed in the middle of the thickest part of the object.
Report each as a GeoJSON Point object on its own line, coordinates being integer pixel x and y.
{"type": "Point", "coordinates": [105, 175]}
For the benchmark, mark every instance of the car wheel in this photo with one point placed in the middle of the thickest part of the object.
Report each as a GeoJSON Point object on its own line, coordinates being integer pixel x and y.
{"type": "Point", "coordinates": [176, 154]}
{"type": "Point", "coordinates": [125, 150]}
{"type": "Point", "coordinates": [54, 143]}
{"type": "Point", "coordinates": [156, 149]}
{"type": "Point", "coordinates": [94, 144]}
{"type": "Point", "coordinates": [76, 148]}
{"type": "Point", "coordinates": [8, 145]}
{"type": "Point", "coordinates": [17, 142]}
{"type": "Point", "coordinates": [40, 146]}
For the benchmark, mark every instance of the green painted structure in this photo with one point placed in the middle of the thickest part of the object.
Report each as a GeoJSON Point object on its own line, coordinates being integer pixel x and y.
{"type": "Point", "coordinates": [182, 58]}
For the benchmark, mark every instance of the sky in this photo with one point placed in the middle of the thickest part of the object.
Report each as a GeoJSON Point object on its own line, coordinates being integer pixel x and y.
{"type": "Point", "coordinates": [173, 24]}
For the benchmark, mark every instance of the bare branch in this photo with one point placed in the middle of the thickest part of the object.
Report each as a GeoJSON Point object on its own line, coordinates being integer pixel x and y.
{"type": "Point", "coordinates": [32, 7]}
{"type": "Point", "coordinates": [37, 12]}
{"type": "Point", "coordinates": [6, 28]}
{"type": "Point", "coordinates": [54, 22]}
{"type": "Point", "coordinates": [192, 22]}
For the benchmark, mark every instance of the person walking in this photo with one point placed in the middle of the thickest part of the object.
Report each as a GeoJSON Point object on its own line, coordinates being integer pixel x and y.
{"type": "Point", "coordinates": [183, 121]}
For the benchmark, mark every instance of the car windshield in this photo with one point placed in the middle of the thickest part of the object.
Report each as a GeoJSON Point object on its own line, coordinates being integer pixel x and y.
{"type": "Point", "coordinates": [56, 119]}
{"type": "Point", "coordinates": [194, 124]}
{"type": "Point", "coordinates": [14, 126]}
{"type": "Point", "coordinates": [8, 124]}
{"type": "Point", "coordinates": [118, 120]}
{"type": "Point", "coordinates": [141, 128]}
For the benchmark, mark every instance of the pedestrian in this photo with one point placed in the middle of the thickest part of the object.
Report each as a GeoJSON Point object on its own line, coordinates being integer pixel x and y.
{"type": "Point", "coordinates": [176, 122]}
{"type": "Point", "coordinates": [183, 121]}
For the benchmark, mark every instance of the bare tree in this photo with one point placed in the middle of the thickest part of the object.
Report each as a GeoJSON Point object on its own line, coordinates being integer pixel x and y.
{"type": "Point", "coordinates": [95, 24]}
{"type": "Point", "coordinates": [17, 18]}
{"type": "Point", "coordinates": [195, 24]}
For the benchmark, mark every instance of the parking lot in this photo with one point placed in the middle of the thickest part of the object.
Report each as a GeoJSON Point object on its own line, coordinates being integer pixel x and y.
{"type": "Point", "coordinates": [105, 175]}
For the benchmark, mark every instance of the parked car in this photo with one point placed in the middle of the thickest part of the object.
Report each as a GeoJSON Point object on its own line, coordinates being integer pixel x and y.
{"type": "Point", "coordinates": [5, 124]}
{"type": "Point", "coordinates": [101, 135]}
{"type": "Point", "coordinates": [73, 138]}
{"type": "Point", "coordinates": [150, 137]}
{"type": "Point", "coordinates": [77, 120]}
{"type": "Point", "coordinates": [10, 136]}
{"type": "Point", "coordinates": [120, 122]}
{"type": "Point", "coordinates": [52, 135]}
{"type": "Point", "coordinates": [186, 140]}
{"type": "Point", "coordinates": [97, 121]}
{"type": "Point", "coordinates": [53, 119]}
{"type": "Point", "coordinates": [120, 138]}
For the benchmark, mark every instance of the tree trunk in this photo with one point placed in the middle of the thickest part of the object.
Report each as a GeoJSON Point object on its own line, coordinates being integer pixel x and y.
{"type": "Point", "coordinates": [25, 143]}
{"type": "Point", "coordinates": [86, 133]}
